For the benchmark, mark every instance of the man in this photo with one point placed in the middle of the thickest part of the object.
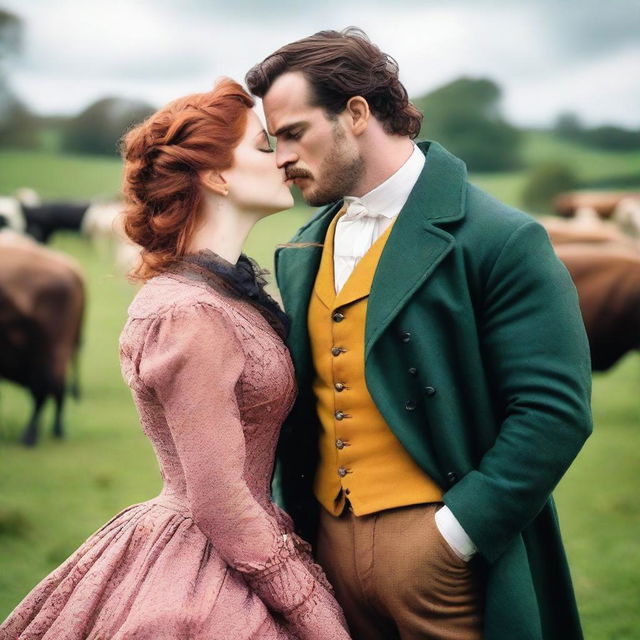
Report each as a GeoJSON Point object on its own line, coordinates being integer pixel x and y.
{"type": "Point", "coordinates": [442, 365]}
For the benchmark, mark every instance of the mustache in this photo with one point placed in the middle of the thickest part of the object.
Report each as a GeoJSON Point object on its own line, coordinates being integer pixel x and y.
{"type": "Point", "coordinates": [296, 173]}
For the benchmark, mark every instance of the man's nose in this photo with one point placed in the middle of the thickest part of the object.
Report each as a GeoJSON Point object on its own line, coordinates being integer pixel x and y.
{"type": "Point", "coordinates": [285, 155]}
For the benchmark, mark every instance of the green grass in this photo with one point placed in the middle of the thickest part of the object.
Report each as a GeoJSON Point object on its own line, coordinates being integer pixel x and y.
{"type": "Point", "coordinates": [599, 509]}
{"type": "Point", "coordinates": [54, 496]}
{"type": "Point", "coordinates": [59, 176]}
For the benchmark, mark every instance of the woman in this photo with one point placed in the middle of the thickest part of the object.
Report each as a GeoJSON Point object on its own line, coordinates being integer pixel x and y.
{"type": "Point", "coordinates": [212, 556]}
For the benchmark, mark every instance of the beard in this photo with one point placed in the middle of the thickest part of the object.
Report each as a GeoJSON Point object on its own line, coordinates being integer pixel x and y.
{"type": "Point", "coordinates": [339, 173]}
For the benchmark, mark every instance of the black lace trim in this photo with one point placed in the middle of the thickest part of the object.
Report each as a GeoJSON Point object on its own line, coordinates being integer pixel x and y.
{"type": "Point", "coordinates": [244, 280]}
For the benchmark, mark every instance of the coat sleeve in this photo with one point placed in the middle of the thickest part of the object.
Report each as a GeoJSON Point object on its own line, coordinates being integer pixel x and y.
{"type": "Point", "coordinates": [537, 356]}
{"type": "Point", "coordinates": [192, 361]}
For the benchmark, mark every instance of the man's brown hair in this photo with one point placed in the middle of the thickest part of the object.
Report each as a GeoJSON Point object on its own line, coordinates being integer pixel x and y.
{"type": "Point", "coordinates": [339, 65]}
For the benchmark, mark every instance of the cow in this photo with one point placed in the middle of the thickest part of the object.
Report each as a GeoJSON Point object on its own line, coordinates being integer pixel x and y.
{"type": "Point", "coordinates": [607, 277]}
{"type": "Point", "coordinates": [587, 229]}
{"type": "Point", "coordinates": [44, 219]}
{"type": "Point", "coordinates": [11, 215]}
{"type": "Point", "coordinates": [604, 264]}
{"type": "Point", "coordinates": [627, 216]}
{"type": "Point", "coordinates": [42, 299]}
{"type": "Point", "coordinates": [603, 203]}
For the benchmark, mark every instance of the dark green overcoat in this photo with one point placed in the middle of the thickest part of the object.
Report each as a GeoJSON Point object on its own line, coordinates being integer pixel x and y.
{"type": "Point", "coordinates": [476, 356]}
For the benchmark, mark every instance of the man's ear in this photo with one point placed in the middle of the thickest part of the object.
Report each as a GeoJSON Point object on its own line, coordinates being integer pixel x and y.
{"type": "Point", "coordinates": [359, 113]}
{"type": "Point", "coordinates": [214, 181]}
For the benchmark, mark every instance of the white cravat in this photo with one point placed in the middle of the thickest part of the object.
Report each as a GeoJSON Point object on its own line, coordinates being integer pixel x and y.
{"type": "Point", "coordinates": [355, 232]}
{"type": "Point", "coordinates": [369, 216]}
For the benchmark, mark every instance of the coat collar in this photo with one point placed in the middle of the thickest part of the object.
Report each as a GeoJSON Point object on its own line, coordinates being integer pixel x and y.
{"type": "Point", "coordinates": [439, 194]}
{"type": "Point", "coordinates": [414, 249]}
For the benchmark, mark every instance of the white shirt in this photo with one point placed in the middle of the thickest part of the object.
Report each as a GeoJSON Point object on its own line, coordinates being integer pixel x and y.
{"type": "Point", "coordinates": [353, 238]}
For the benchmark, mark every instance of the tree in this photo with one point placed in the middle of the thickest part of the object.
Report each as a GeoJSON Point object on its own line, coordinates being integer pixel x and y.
{"type": "Point", "coordinates": [610, 137]}
{"type": "Point", "coordinates": [100, 126]}
{"type": "Point", "coordinates": [568, 126]}
{"type": "Point", "coordinates": [464, 116]}
{"type": "Point", "coordinates": [18, 127]}
{"type": "Point", "coordinates": [10, 34]}
{"type": "Point", "coordinates": [545, 182]}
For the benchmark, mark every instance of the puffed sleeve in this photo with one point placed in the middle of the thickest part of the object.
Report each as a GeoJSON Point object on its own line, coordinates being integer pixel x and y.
{"type": "Point", "coordinates": [191, 361]}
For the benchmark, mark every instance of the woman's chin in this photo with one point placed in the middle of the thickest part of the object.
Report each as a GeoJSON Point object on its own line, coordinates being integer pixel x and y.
{"type": "Point", "coordinates": [281, 205]}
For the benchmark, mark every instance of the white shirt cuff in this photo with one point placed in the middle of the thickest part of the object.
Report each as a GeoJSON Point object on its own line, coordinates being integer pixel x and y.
{"type": "Point", "coordinates": [453, 533]}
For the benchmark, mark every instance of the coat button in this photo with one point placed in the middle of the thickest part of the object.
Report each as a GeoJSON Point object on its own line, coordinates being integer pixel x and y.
{"type": "Point", "coordinates": [413, 371]}
{"type": "Point", "coordinates": [452, 477]}
{"type": "Point", "coordinates": [409, 405]}
{"type": "Point", "coordinates": [339, 415]}
{"type": "Point", "coordinates": [337, 316]}
{"type": "Point", "coordinates": [336, 351]}
{"type": "Point", "coordinates": [430, 391]}
{"type": "Point", "coordinates": [339, 386]}
{"type": "Point", "coordinates": [342, 472]}
{"type": "Point", "coordinates": [340, 444]}
{"type": "Point", "coordinates": [405, 336]}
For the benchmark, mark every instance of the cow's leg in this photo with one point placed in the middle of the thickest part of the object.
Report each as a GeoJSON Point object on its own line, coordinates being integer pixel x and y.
{"type": "Point", "coordinates": [74, 385]}
{"type": "Point", "coordinates": [57, 421]}
{"type": "Point", "coordinates": [30, 435]}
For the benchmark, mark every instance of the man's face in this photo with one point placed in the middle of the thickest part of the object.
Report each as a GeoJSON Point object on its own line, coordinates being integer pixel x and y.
{"type": "Point", "coordinates": [319, 154]}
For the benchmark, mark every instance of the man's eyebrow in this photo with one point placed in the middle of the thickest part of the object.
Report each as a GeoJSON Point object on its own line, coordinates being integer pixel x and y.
{"type": "Point", "coordinates": [288, 127]}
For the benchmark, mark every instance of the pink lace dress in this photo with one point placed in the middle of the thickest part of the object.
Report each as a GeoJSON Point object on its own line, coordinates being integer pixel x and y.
{"type": "Point", "coordinates": [211, 557]}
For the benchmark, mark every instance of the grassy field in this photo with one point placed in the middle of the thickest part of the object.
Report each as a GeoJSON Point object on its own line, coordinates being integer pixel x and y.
{"type": "Point", "coordinates": [53, 497]}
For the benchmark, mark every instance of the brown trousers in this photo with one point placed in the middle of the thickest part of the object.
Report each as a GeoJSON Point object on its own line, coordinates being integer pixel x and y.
{"type": "Point", "coordinates": [397, 578]}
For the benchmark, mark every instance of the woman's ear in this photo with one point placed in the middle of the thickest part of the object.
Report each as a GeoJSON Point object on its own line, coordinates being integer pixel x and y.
{"type": "Point", "coordinates": [359, 112]}
{"type": "Point", "coordinates": [214, 181]}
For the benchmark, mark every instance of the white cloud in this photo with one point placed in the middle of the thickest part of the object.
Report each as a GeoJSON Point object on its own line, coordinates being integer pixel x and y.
{"type": "Point", "coordinates": [76, 52]}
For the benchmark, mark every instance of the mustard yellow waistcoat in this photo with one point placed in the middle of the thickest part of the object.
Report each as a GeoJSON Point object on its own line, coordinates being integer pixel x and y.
{"type": "Point", "coordinates": [360, 457]}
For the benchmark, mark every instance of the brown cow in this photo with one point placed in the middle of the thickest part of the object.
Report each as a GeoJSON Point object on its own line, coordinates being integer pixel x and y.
{"type": "Point", "coordinates": [604, 263]}
{"type": "Point", "coordinates": [42, 298]}
{"type": "Point", "coordinates": [603, 203]}
{"type": "Point", "coordinates": [588, 230]}
{"type": "Point", "coordinates": [607, 277]}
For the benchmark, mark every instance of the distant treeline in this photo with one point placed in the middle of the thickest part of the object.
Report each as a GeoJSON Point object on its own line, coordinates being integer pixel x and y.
{"type": "Point", "coordinates": [609, 137]}
{"type": "Point", "coordinates": [96, 130]}
{"type": "Point", "coordinates": [464, 115]}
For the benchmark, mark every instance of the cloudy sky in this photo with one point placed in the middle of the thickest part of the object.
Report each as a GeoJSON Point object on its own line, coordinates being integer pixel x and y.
{"type": "Point", "coordinates": [548, 55]}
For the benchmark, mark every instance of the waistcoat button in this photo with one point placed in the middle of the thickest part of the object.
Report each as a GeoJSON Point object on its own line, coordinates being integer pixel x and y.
{"type": "Point", "coordinates": [339, 386]}
{"type": "Point", "coordinates": [336, 351]}
{"type": "Point", "coordinates": [339, 444]}
{"type": "Point", "coordinates": [339, 415]}
{"type": "Point", "coordinates": [338, 317]}
{"type": "Point", "coordinates": [342, 472]}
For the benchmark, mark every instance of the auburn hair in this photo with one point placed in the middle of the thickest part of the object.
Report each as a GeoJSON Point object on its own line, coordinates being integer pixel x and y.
{"type": "Point", "coordinates": [339, 65]}
{"type": "Point", "coordinates": [162, 158]}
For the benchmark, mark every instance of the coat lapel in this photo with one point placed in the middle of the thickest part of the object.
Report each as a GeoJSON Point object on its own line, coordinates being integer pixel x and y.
{"type": "Point", "coordinates": [416, 245]}
{"type": "Point", "coordinates": [296, 270]}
